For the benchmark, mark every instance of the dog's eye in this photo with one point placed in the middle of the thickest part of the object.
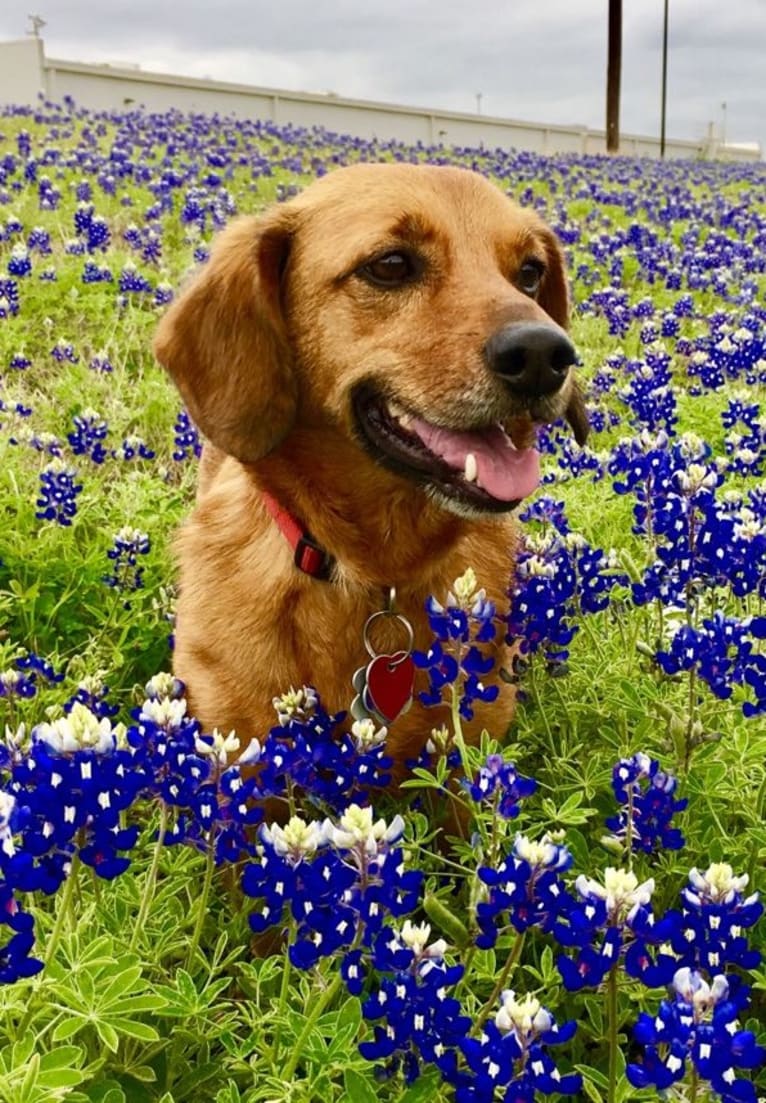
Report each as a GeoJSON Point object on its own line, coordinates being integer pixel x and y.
{"type": "Point", "coordinates": [390, 270]}
{"type": "Point", "coordinates": [530, 277]}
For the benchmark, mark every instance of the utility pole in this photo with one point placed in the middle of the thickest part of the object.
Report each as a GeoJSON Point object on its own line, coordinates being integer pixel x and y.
{"type": "Point", "coordinates": [664, 95]}
{"type": "Point", "coordinates": [478, 102]}
{"type": "Point", "coordinates": [613, 66]}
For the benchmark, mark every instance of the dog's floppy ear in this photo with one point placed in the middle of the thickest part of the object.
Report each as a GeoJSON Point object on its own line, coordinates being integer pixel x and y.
{"type": "Point", "coordinates": [554, 292]}
{"type": "Point", "coordinates": [554, 299]}
{"type": "Point", "coordinates": [224, 340]}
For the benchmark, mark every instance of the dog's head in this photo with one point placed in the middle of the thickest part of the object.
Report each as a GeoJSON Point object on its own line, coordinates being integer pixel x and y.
{"type": "Point", "coordinates": [414, 311]}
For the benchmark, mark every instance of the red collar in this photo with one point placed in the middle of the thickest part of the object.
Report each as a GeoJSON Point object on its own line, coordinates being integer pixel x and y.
{"type": "Point", "coordinates": [309, 557]}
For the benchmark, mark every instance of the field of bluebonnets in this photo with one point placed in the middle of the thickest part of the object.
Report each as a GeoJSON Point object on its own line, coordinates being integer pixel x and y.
{"type": "Point", "coordinates": [598, 934]}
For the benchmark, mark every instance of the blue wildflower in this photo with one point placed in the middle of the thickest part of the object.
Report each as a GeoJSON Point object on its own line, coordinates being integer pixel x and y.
{"type": "Point", "coordinates": [58, 492]}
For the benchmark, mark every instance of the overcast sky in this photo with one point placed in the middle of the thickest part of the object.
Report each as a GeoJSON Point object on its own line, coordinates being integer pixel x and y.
{"type": "Point", "coordinates": [540, 60]}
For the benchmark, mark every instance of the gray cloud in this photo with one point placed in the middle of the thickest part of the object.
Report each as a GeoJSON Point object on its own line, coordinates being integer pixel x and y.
{"type": "Point", "coordinates": [542, 60]}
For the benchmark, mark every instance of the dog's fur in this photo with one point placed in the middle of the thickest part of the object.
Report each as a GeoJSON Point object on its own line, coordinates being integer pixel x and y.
{"type": "Point", "coordinates": [266, 346]}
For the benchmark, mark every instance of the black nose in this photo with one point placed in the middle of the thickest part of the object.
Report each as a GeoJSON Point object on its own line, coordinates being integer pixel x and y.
{"type": "Point", "coordinates": [533, 358]}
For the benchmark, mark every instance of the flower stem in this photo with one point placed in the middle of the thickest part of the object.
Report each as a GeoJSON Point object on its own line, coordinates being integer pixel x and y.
{"type": "Point", "coordinates": [693, 1086]}
{"type": "Point", "coordinates": [510, 964]}
{"type": "Point", "coordinates": [202, 904]}
{"type": "Point", "coordinates": [316, 1012]}
{"type": "Point", "coordinates": [611, 1019]}
{"type": "Point", "coordinates": [689, 742]}
{"type": "Point", "coordinates": [65, 911]}
{"type": "Point", "coordinates": [273, 1052]}
{"type": "Point", "coordinates": [151, 879]}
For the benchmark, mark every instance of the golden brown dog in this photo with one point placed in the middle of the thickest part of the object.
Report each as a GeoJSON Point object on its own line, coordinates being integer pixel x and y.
{"type": "Point", "coordinates": [374, 355]}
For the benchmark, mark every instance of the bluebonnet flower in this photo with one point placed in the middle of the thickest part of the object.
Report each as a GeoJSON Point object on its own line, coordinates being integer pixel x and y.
{"type": "Point", "coordinates": [698, 1025]}
{"type": "Point", "coordinates": [412, 979]}
{"type": "Point", "coordinates": [98, 234]}
{"type": "Point", "coordinates": [71, 788]}
{"type": "Point", "coordinates": [307, 752]}
{"type": "Point", "coordinates": [58, 492]}
{"type": "Point", "coordinates": [93, 693]}
{"type": "Point", "coordinates": [498, 784]}
{"type": "Point", "coordinates": [48, 194]}
{"type": "Point", "coordinates": [465, 621]}
{"type": "Point", "coordinates": [547, 511]}
{"type": "Point", "coordinates": [649, 394]}
{"type": "Point", "coordinates": [556, 575]}
{"type": "Point", "coordinates": [83, 217]}
{"type": "Point", "coordinates": [162, 739]}
{"type": "Point", "coordinates": [512, 1056]}
{"type": "Point", "coordinates": [134, 447]}
{"type": "Point", "coordinates": [19, 262]}
{"type": "Point", "coordinates": [63, 351]}
{"type": "Point", "coordinates": [715, 913]}
{"type": "Point", "coordinates": [14, 683]}
{"type": "Point", "coordinates": [526, 887]}
{"type": "Point", "coordinates": [93, 273]}
{"type": "Point", "coordinates": [339, 881]}
{"type": "Point", "coordinates": [612, 917]}
{"type": "Point", "coordinates": [15, 953]}
{"type": "Point", "coordinates": [190, 772]}
{"type": "Point", "coordinates": [101, 363]}
{"type": "Point", "coordinates": [186, 438]}
{"type": "Point", "coordinates": [720, 652]}
{"type": "Point", "coordinates": [129, 543]}
{"type": "Point", "coordinates": [47, 443]}
{"type": "Point", "coordinates": [132, 281]}
{"type": "Point", "coordinates": [648, 795]}
{"type": "Point", "coordinates": [9, 298]}
{"type": "Point", "coordinates": [90, 430]}
{"type": "Point", "coordinates": [19, 362]}
{"type": "Point", "coordinates": [221, 808]}
{"type": "Point", "coordinates": [39, 240]}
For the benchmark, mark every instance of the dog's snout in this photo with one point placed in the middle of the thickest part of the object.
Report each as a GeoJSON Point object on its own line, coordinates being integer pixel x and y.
{"type": "Point", "coordinates": [533, 358]}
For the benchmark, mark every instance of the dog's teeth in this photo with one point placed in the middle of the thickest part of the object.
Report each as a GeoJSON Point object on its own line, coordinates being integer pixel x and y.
{"type": "Point", "coordinates": [471, 468]}
{"type": "Point", "coordinates": [395, 410]}
{"type": "Point", "coordinates": [405, 421]}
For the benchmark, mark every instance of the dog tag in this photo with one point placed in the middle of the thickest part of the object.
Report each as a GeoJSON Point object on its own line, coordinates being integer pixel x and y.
{"type": "Point", "coordinates": [384, 688]}
{"type": "Point", "coordinates": [359, 710]}
{"type": "Point", "coordinates": [390, 682]}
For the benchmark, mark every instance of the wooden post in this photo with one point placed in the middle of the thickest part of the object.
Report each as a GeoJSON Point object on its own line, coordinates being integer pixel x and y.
{"type": "Point", "coordinates": [663, 111]}
{"type": "Point", "coordinates": [613, 65]}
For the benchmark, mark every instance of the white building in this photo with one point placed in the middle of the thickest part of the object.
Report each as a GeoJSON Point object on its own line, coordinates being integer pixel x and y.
{"type": "Point", "coordinates": [26, 73]}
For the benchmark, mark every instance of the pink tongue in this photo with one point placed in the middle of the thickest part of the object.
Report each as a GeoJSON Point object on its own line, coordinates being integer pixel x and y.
{"type": "Point", "coordinates": [503, 471]}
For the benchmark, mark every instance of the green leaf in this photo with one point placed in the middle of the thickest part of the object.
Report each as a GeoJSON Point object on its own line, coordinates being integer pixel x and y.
{"type": "Point", "coordinates": [30, 1079]}
{"type": "Point", "coordinates": [358, 1089]}
{"type": "Point", "coordinates": [446, 920]}
{"type": "Point", "coordinates": [124, 982]}
{"type": "Point", "coordinates": [144, 1073]}
{"type": "Point", "coordinates": [149, 1002]}
{"type": "Point", "coordinates": [106, 1091]}
{"type": "Point", "coordinates": [63, 1057]}
{"type": "Point", "coordinates": [107, 1034]}
{"type": "Point", "coordinates": [135, 1029]}
{"type": "Point", "coordinates": [424, 1090]}
{"type": "Point", "coordinates": [186, 986]}
{"type": "Point", "coordinates": [67, 1028]}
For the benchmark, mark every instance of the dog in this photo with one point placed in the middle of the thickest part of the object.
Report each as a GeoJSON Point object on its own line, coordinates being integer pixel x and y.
{"type": "Point", "coordinates": [368, 363]}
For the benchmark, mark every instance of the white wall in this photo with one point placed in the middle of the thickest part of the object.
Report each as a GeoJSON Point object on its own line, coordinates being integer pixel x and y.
{"type": "Point", "coordinates": [21, 70]}
{"type": "Point", "coordinates": [25, 71]}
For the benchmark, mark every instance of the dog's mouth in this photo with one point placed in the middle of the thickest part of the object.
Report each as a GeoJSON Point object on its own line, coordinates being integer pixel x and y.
{"type": "Point", "coordinates": [481, 468]}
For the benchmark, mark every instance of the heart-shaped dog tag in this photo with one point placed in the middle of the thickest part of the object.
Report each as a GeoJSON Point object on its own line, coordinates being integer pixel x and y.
{"type": "Point", "coordinates": [390, 681]}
